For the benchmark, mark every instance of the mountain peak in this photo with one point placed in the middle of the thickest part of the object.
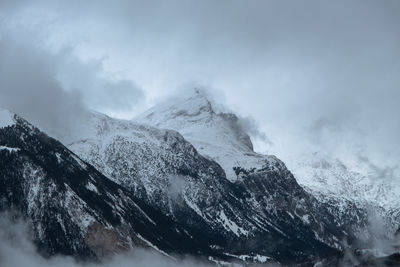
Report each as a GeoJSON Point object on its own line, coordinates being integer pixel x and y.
{"type": "Point", "coordinates": [195, 114]}
{"type": "Point", "coordinates": [193, 103]}
{"type": "Point", "coordinates": [214, 133]}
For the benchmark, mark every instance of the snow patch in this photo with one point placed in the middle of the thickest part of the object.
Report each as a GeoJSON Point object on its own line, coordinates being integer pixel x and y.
{"type": "Point", "coordinates": [9, 149]}
{"type": "Point", "coordinates": [79, 214]}
{"type": "Point", "coordinates": [306, 218]}
{"type": "Point", "coordinates": [253, 258]}
{"type": "Point", "coordinates": [155, 247]}
{"type": "Point", "coordinates": [223, 263]}
{"type": "Point", "coordinates": [80, 162]}
{"type": "Point", "coordinates": [92, 187]}
{"type": "Point", "coordinates": [59, 159]}
{"type": "Point", "coordinates": [193, 206]}
{"type": "Point", "coordinates": [230, 225]}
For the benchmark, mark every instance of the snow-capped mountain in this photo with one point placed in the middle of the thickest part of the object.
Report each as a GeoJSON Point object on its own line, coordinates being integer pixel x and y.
{"type": "Point", "coordinates": [243, 202]}
{"type": "Point", "coordinates": [182, 178]}
{"type": "Point", "coordinates": [72, 208]}
{"type": "Point", "coordinates": [355, 197]}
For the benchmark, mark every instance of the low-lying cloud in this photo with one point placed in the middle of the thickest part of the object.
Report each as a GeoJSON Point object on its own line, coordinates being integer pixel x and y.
{"type": "Point", "coordinates": [18, 250]}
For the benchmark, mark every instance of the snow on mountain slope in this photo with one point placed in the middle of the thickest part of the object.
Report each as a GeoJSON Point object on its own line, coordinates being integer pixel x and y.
{"type": "Point", "coordinates": [218, 135]}
{"type": "Point", "coordinates": [328, 175]}
{"type": "Point", "coordinates": [265, 212]}
{"type": "Point", "coordinates": [347, 194]}
{"type": "Point", "coordinates": [331, 179]}
{"type": "Point", "coordinates": [72, 208]}
{"type": "Point", "coordinates": [344, 189]}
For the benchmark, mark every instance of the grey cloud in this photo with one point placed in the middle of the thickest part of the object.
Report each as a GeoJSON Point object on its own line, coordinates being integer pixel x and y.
{"type": "Point", "coordinates": [251, 127]}
{"type": "Point", "coordinates": [17, 250]}
{"type": "Point", "coordinates": [10, 6]}
{"type": "Point", "coordinates": [105, 94]}
{"type": "Point", "coordinates": [380, 172]}
{"type": "Point", "coordinates": [28, 87]}
{"type": "Point", "coordinates": [54, 90]}
{"type": "Point", "coordinates": [290, 65]}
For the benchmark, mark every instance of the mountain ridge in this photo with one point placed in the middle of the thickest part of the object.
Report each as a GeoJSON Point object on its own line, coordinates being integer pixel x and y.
{"type": "Point", "coordinates": [186, 165]}
{"type": "Point", "coordinates": [350, 196]}
{"type": "Point", "coordinates": [114, 145]}
{"type": "Point", "coordinates": [72, 208]}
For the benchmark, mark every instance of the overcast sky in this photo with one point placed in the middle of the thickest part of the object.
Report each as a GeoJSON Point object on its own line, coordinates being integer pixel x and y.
{"type": "Point", "coordinates": [316, 75]}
